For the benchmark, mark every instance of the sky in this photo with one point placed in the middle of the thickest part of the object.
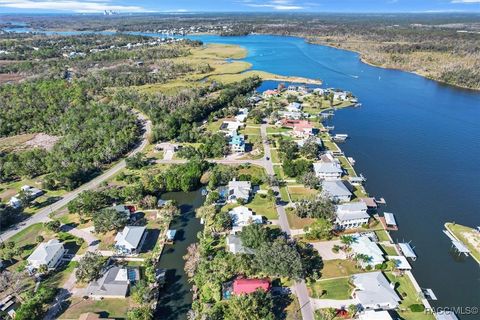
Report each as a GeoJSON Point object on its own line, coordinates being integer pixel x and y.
{"type": "Point", "coordinates": [93, 6]}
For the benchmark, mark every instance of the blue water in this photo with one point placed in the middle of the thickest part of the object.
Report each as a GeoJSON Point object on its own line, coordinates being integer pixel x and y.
{"type": "Point", "coordinates": [416, 141]}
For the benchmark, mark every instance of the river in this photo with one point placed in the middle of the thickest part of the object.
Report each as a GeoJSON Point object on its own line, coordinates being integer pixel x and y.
{"type": "Point", "coordinates": [176, 298]}
{"type": "Point", "coordinates": [417, 142]}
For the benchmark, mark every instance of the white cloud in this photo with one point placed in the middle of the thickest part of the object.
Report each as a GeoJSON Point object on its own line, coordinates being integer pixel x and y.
{"type": "Point", "coordinates": [69, 5]}
{"type": "Point", "coordinates": [274, 4]}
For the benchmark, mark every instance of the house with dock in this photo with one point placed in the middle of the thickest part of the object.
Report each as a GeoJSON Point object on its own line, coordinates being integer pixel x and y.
{"type": "Point", "coordinates": [351, 215]}
{"type": "Point", "coordinates": [374, 292]}
{"type": "Point", "coordinates": [364, 246]}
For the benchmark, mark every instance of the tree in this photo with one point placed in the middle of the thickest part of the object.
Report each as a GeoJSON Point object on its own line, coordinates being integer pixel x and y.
{"type": "Point", "coordinates": [253, 236]}
{"type": "Point", "coordinates": [39, 239]}
{"type": "Point", "coordinates": [326, 313]}
{"type": "Point", "coordinates": [148, 202]}
{"type": "Point", "coordinates": [89, 267]}
{"type": "Point", "coordinates": [311, 148]}
{"type": "Point", "coordinates": [53, 225]}
{"type": "Point", "coordinates": [352, 310]}
{"type": "Point", "coordinates": [310, 179]}
{"type": "Point", "coordinates": [255, 306]}
{"type": "Point", "coordinates": [109, 219]}
{"type": "Point", "coordinates": [279, 259]}
{"type": "Point", "coordinates": [141, 292]}
{"type": "Point", "coordinates": [192, 259]}
{"type": "Point", "coordinates": [140, 313]}
{"type": "Point", "coordinates": [319, 207]}
{"type": "Point", "coordinates": [136, 161]}
{"type": "Point", "coordinates": [321, 229]}
{"type": "Point", "coordinates": [43, 269]}
{"type": "Point", "coordinates": [88, 202]}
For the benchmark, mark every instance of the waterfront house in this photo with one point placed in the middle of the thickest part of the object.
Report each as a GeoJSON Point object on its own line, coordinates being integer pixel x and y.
{"type": "Point", "coordinates": [374, 292]}
{"type": "Point", "coordinates": [319, 91]}
{"type": "Point", "coordinates": [237, 143]}
{"type": "Point", "coordinates": [291, 115]}
{"type": "Point", "coordinates": [243, 216]}
{"type": "Point", "coordinates": [130, 239]}
{"type": "Point", "coordinates": [114, 283]}
{"type": "Point", "coordinates": [330, 170]}
{"type": "Point", "coordinates": [401, 263]}
{"type": "Point", "coordinates": [351, 215]}
{"type": "Point", "coordinates": [340, 95]}
{"type": "Point", "coordinates": [246, 286]}
{"type": "Point", "coordinates": [239, 190]}
{"type": "Point", "coordinates": [374, 315]}
{"type": "Point", "coordinates": [235, 246]}
{"type": "Point", "coordinates": [47, 253]}
{"type": "Point", "coordinates": [336, 191]}
{"type": "Point", "coordinates": [362, 245]}
{"type": "Point", "coordinates": [294, 107]}
{"type": "Point", "coordinates": [301, 128]}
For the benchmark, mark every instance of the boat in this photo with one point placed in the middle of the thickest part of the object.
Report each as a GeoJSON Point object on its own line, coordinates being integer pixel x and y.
{"type": "Point", "coordinates": [330, 127]}
{"type": "Point", "coordinates": [351, 160]}
{"type": "Point", "coordinates": [340, 137]}
{"type": "Point", "coordinates": [357, 105]}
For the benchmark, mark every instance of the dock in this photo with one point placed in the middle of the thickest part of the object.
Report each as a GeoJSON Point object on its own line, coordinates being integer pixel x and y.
{"type": "Point", "coordinates": [456, 244]}
{"type": "Point", "coordinates": [407, 250]}
{"type": "Point", "coordinates": [388, 221]}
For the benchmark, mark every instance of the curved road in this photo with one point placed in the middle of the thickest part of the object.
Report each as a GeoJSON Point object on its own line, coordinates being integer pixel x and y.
{"type": "Point", "coordinates": [43, 214]}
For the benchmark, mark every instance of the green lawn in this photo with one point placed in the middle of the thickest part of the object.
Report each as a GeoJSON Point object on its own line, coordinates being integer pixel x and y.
{"type": "Point", "coordinates": [406, 291]}
{"type": "Point", "coordinates": [347, 166]}
{"type": "Point", "coordinates": [389, 250]}
{"type": "Point", "coordinates": [339, 268]}
{"type": "Point", "coordinates": [382, 235]}
{"type": "Point", "coordinates": [115, 308]}
{"type": "Point", "coordinates": [284, 194]}
{"type": "Point", "coordinates": [275, 156]}
{"type": "Point", "coordinates": [298, 223]}
{"type": "Point", "coordinates": [300, 192]}
{"type": "Point", "coordinates": [249, 131]}
{"type": "Point", "coordinates": [264, 206]}
{"type": "Point", "coordinates": [279, 172]}
{"type": "Point", "coordinates": [337, 289]}
{"type": "Point", "coordinates": [464, 233]}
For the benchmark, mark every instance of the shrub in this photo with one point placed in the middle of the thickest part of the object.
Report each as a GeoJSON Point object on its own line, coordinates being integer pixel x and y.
{"type": "Point", "coordinates": [417, 307]}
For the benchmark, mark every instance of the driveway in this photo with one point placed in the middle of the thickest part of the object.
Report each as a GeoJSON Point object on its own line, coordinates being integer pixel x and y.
{"type": "Point", "coordinates": [329, 303]}
{"type": "Point", "coordinates": [324, 248]}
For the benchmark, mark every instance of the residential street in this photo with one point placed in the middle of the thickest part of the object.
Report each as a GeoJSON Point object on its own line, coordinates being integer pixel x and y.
{"type": "Point", "coordinates": [43, 214]}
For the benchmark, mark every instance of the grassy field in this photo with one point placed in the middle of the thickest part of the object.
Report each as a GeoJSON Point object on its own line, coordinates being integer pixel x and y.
{"type": "Point", "coordinates": [468, 236]}
{"type": "Point", "coordinates": [337, 289]}
{"type": "Point", "coordinates": [339, 268]}
{"type": "Point", "coordinates": [382, 235]}
{"type": "Point", "coordinates": [405, 289]}
{"type": "Point", "coordinates": [263, 206]}
{"type": "Point", "coordinates": [111, 308]}
{"type": "Point", "coordinates": [298, 223]}
{"type": "Point", "coordinates": [300, 192]}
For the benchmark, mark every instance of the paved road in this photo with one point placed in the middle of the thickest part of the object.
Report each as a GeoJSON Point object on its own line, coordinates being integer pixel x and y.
{"type": "Point", "coordinates": [299, 287]}
{"type": "Point", "coordinates": [42, 215]}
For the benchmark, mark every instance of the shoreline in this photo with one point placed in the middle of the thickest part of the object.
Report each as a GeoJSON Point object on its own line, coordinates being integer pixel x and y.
{"type": "Point", "coordinates": [468, 245]}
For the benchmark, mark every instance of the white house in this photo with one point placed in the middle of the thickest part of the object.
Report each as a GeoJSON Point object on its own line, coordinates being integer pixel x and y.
{"type": "Point", "coordinates": [351, 215]}
{"type": "Point", "coordinates": [114, 283]}
{"type": "Point", "coordinates": [328, 170]}
{"type": "Point", "coordinates": [340, 95]}
{"type": "Point", "coordinates": [243, 216]}
{"type": "Point", "coordinates": [239, 190]}
{"type": "Point", "coordinates": [364, 246]}
{"type": "Point", "coordinates": [15, 202]}
{"type": "Point", "coordinates": [336, 191]}
{"type": "Point", "coordinates": [374, 315]}
{"type": "Point", "coordinates": [230, 128]}
{"type": "Point", "coordinates": [374, 292]}
{"type": "Point", "coordinates": [130, 240]}
{"type": "Point", "coordinates": [294, 107]}
{"type": "Point", "coordinates": [242, 115]}
{"type": "Point", "coordinates": [47, 253]}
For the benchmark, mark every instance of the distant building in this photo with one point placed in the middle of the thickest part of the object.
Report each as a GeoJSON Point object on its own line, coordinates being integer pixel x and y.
{"type": "Point", "coordinates": [291, 115]}
{"type": "Point", "coordinates": [115, 283]}
{"type": "Point", "coordinates": [336, 191]}
{"type": "Point", "coordinates": [243, 216]}
{"type": "Point", "coordinates": [47, 253]}
{"type": "Point", "coordinates": [351, 215]}
{"type": "Point", "coordinates": [130, 239]}
{"type": "Point", "coordinates": [239, 190]}
{"type": "Point", "coordinates": [374, 292]}
{"type": "Point", "coordinates": [294, 107]}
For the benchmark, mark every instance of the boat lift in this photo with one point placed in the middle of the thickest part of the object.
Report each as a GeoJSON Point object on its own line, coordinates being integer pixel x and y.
{"type": "Point", "coordinates": [457, 245]}
{"type": "Point", "coordinates": [407, 250]}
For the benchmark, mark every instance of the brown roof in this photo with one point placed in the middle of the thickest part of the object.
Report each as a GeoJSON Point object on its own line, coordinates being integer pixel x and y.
{"type": "Point", "coordinates": [370, 202]}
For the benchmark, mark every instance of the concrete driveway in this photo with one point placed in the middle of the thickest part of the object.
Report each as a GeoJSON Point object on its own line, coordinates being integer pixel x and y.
{"type": "Point", "coordinates": [324, 248]}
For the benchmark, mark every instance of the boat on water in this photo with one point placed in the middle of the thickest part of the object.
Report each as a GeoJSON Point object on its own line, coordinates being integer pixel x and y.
{"type": "Point", "coordinates": [351, 160]}
{"type": "Point", "coordinates": [357, 105]}
{"type": "Point", "coordinates": [340, 137]}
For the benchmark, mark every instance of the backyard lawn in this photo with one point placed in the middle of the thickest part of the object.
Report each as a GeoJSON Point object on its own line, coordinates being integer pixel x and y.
{"type": "Point", "coordinates": [300, 192]}
{"type": "Point", "coordinates": [382, 235]}
{"type": "Point", "coordinates": [337, 289]}
{"type": "Point", "coordinates": [111, 308]}
{"type": "Point", "coordinates": [298, 223]}
{"type": "Point", "coordinates": [389, 250]}
{"type": "Point", "coordinates": [263, 206]}
{"type": "Point", "coordinates": [339, 268]}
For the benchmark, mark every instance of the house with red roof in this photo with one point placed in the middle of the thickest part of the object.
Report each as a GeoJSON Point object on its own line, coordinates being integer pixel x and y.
{"type": "Point", "coordinates": [246, 286]}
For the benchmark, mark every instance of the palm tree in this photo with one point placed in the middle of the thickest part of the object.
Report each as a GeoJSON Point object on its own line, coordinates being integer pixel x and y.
{"type": "Point", "coordinates": [362, 259]}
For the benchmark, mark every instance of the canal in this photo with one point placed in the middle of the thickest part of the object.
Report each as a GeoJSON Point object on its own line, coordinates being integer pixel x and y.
{"type": "Point", "coordinates": [176, 297]}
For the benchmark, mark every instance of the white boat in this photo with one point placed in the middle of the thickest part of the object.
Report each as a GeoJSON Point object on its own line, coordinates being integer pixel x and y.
{"type": "Point", "coordinates": [340, 137]}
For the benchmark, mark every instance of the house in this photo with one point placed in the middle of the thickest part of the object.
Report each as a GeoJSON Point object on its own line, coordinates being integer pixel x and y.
{"type": "Point", "coordinates": [294, 107]}
{"type": "Point", "coordinates": [235, 246]}
{"type": "Point", "coordinates": [15, 202]}
{"type": "Point", "coordinates": [328, 170]}
{"type": "Point", "coordinates": [47, 253]}
{"type": "Point", "coordinates": [270, 93]}
{"type": "Point", "coordinates": [8, 306]}
{"type": "Point", "coordinates": [32, 192]}
{"type": "Point", "coordinates": [303, 129]}
{"type": "Point", "coordinates": [243, 216]}
{"type": "Point", "coordinates": [125, 210]}
{"type": "Point", "coordinates": [340, 95]}
{"type": "Point", "coordinates": [351, 215]}
{"type": "Point", "coordinates": [291, 115]}
{"type": "Point", "coordinates": [239, 190]}
{"type": "Point", "coordinates": [242, 115]}
{"type": "Point", "coordinates": [237, 143]}
{"type": "Point", "coordinates": [246, 286]}
{"type": "Point", "coordinates": [301, 143]}
{"type": "Point", "coordinates": [374, 315]}
{"type": "Point", "coordinates": [362, 245]}
{"type": "Point", "coordinates": [230, 128]}
{"type": "Point", "coordinates": [319, 91]}
{"type": "Point", "coordinates": [114, 283]}
{"type": "Point", "coordinates": [336, 191]}
{"type": "Point", "coordinates": [130, 240]}
{"type": "Point", "coordinates": [373, 291]}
